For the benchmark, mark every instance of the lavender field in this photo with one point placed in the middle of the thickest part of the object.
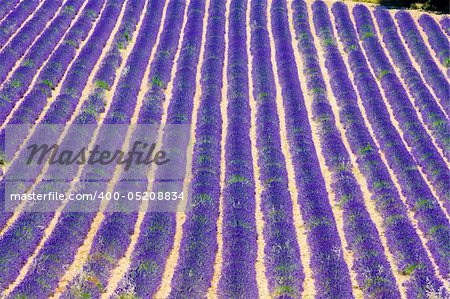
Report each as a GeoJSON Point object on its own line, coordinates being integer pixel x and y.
{"type": "Point", "coordinates": [318, 157]}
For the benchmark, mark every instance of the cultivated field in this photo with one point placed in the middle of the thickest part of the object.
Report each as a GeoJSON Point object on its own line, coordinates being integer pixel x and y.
{"type": "Point", "coordinates": [318, 159]}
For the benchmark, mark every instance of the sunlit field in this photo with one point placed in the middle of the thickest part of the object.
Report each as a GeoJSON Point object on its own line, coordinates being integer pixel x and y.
{"type": "Point", "coordinates": [318, 160]}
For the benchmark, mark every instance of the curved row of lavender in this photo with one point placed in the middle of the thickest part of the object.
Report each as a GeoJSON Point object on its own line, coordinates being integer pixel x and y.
{"type": "Point", "coordinates": [198, 247]}
{"type": "Point", "coordinates": [437, 39]}
{"type": "Point", "coordinates": [320, 219]}
{"type": "Point", "coordinates": [434, 118]}
{"type": "Point", "coordinates": [35, 102]}
{"type": "Point", "coordinates": [77, 76]}
{"type": "Point", "coordinates": [28, 108]}
{"type": "Point", "coordinates": [415, 135]}
{"type": "Point", "coordinates": [281, 252]}
{"type": "Point", "coordinates": [423, 150]}
{"type": "Point", "coordinates": [57, 68]}
{"type": "Point", "coordinates": [432, 74]}
{"type": "Point", "coordinates": [158, 228]}
{"type": "Point", "coordinates": [25, 36]}
{"type": "Point", "coordinates": [29, 228]}
{"type": "Point", "coordinates": [403, 240]}
{"type": "Point", "coordinates": [161, 67]}
{"type": "Point", "coordinates": [373, 272]}
{"type": "Point", "coordinates": [15, 19]}
{"type": "Point", "coordinates": [445, 23]}
{"type": "Point", "coordinates": [106, 75]}
{"type": "Point", "coordinates": [60, 250]}
{"type": "Point", "coordinates": [432, 221]}
{"type": "Point", "coordinates": [21, 79]}
{"type": "Point", "coordinates": [238, 275]}
{"type": "Point", "coordinates": [54, 68]}
{"type": "Point", "coordinates": [38, 53]}
{"type": "Point", "coordinates": [151, 113]}
{"type": "Point", "coordinates": [113, 237]}
{"type": "Point", "coordinates": [8, 7]}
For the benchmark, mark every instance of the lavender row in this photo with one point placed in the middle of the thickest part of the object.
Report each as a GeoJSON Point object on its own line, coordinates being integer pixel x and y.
{"type": "Point", "coordinates": [238, 276]}
{"type": "Point", "coordinates": [107, 72]}
{"type": "Point", "coordinates": [433, 117]}
{"type": "Point", "coordinates": [8, 7]}
{"type": "Point", "coordinates": [58, 247]}
{"type": "Point", "coordinates": [194, 270]}
{"type": "Point", "coordinates": [161, 66]}
{"type": "Point", "coordinates": [423, 150]}
{"type": "Point", "coordinates": [113, 237]}
{"type": "Point", "coordinates": [129, 84]}
{"type": "Point", "coordinates": [64, 105]}
{"type": "Point", "coordinates": [4, 215]}
{"type": "Point", "coordinates": [54, 69]}
{"type": "Point", "coordinates": [114, 244]}
{"type": "Point", "coordinates": [25, 37]}
{"type": "Point", "coordinates": [402, 238]}
{"type": "Point", "coordinates": [37, 99]}
{"type": "Point", "coordinates": [432, 220]}
{"type": "Point", "coordinates": [105, 76]}
{"type": "Point", "coordinates": [109, 246]}
{"type": "Point", "coordinates": [438, 41]}
{"type": "Point", "coordinates": [25, 234]}
{"type": "Point", "coordinates": [31, 105]}
{"type": "Point", "coordinates": [15, 19]}
{"type": "Point", "coordinates": [77, 77]}
{"type": "Point", "coordinates": [341, 281]}
{"type": "Point", "coordinates": [22, 77]}
{"type": "Point", "coordinates": [35, 223]}
{"type": "Point", "coordinates": [445, 23]}
{"type": "Point", "coordinates": [282, 253]}
{"type": "Point", "coordinates": [59, 250]}
{"type": "Point", "coordinates": [428, 67]}
{"type": "Point", "coordinates": [359, 229]}
{"type": "Point", "coordinates": [156, 239]}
